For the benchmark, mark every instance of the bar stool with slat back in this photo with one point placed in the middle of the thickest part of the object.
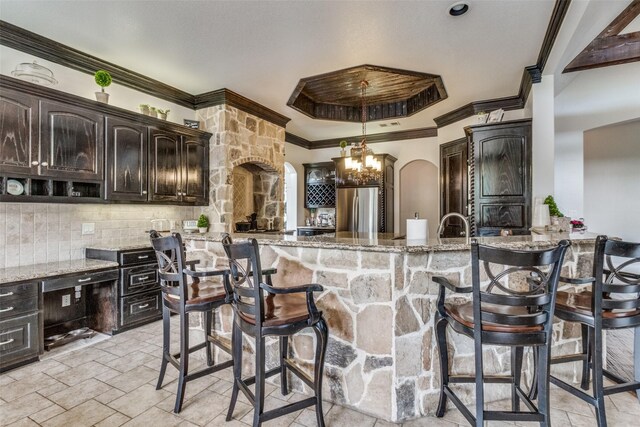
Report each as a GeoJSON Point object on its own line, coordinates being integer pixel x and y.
{"type": "Point", "coordinates": [613, 302]}
{"type": "Point", "coordinates": [515, 315]}
{"type": "Point", "coordinates": [201, 296]}
{"type": "Point", "coordinates": [283, 312]}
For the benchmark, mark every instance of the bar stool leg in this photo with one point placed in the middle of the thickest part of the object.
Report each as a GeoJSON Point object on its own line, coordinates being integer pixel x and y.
{"type": "Point", "coordinates": [544, 357]}
{"type": "Point", "coordinates": [516, 374]}
{"type": "Point", "coordinates": [322, 333]}
{"type": "Point", "coordinates": [236, 349]}
{"type": "Point", "coordinates": [284, 352]}
{"type": "Point", "coordinates": [166, 340]}
{"type": "Point", "coordinates": [184, 360]}
{"type": "Point", "coordinates": [206, 318]}
{"type": "Point", "coordinates": [598, 386]}
{"type": "Point", "coordinates": [441, 340]}
{"type": "Point", "coordinates": [479, 383]}
{"type": "Point", "coordinates": [584, 384]}
{"type": "Point", "coordinates": [258, 404]}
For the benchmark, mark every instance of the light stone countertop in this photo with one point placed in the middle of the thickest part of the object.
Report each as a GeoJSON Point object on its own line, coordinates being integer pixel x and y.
{"type": "Point", "coordinates": [387, 242]}
{"type": "Point", "coordinates": [52, 269]}
{"type": "Point", "coordinates": [125, 247]}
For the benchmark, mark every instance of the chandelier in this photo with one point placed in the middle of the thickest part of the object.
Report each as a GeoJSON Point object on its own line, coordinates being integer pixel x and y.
{"type": "Point", "coordinates": [362, 166]}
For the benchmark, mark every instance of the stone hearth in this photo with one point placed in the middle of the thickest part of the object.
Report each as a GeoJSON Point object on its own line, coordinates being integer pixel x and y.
{"type": "Point", "coordinates": [243, 140]}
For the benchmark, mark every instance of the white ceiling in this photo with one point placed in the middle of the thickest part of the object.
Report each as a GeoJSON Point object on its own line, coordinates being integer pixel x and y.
{"type": "Point", "coordinates": [261, 49]}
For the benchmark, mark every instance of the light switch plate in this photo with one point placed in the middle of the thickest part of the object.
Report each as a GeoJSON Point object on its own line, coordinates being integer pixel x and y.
{"type": "Point", "coordinates": [88, 228]}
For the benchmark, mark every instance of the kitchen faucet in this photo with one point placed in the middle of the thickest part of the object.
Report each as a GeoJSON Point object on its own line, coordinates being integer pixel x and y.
{"type": "Point", "coordinates": [444, 218]}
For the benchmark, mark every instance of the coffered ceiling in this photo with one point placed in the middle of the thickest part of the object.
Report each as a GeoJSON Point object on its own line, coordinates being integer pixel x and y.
{"type": "Point", "coordinates": [261, 50]}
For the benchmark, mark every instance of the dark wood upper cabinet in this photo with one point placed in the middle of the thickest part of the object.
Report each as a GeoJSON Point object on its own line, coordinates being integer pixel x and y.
{"type": "Point", "coordinates": [18, 132]}
{"type": "Point", "coordinates": [71, 144]}
{"type": "Point", "coordinates": [501, 177]}
{"type": "Point", "coordinates": [178, 168]}
{"type": "Point", "coordinates": [453, 185]}
{"type": "Point", "coordinates": [195, 171]}
{"type": "Point", "coordinates": [126, 160]}
{"type": "Point", "coordinates": [319, 185]}
{"type": "Point", "coordinates": [164, 168]}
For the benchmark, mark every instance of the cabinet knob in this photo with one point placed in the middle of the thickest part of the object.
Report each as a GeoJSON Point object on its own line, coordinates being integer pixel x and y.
{"type": "Point", "coordinates": [35, 163]}
{"type": "Point", "coordinates": [144, 191]}
{"type": "Point", "coordinates": [45, 164]}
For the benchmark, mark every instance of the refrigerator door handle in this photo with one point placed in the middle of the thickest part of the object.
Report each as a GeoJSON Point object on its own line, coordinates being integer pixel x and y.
{"type": "Point", "coordinates": [355, 212]}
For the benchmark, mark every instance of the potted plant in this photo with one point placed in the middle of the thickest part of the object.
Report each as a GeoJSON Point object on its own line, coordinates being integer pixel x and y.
{"type": "Point", "coordinates": [153, 112]}
{"type": "Point", "coordinates": [162, 114]}
{"type": "Point", "coordinates": [103, 79]}
{"type": "Point", "coordinates": [203, 223]}
{"type": "Point", "coordinates": [144, 109]}
{"type": "Point", "coordinates": [343, 146]}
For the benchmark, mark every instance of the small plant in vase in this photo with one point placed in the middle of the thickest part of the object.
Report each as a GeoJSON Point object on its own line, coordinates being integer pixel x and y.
{"type": "Point", "coordinates": [203, 223]}
{"type": "Point", "coordinates": [162, 114]}
{"type": "Point", "coordinates": [153, 112]}
{"type": "Point", "coordinates": [343, 146]}
{"type": "Point", "coordinates": [144, 109]}
{"type": "Point", "coordinates": [103, 79]}
{"type": "Point", "coordinates": [553, 208]}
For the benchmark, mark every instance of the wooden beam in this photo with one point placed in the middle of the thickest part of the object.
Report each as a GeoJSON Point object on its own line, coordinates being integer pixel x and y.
{"type": "Point", "coordinates": [610, 47]}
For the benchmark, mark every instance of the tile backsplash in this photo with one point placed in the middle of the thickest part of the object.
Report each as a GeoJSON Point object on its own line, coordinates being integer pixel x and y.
{"type": "Point", "coordinates": [38, 232]}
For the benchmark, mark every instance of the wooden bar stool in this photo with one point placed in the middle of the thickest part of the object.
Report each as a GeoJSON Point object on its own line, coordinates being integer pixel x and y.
{"type": "Point", "coordinates": [201, 296]}
{"type": "Point", "coordinates": [612, 302]}
{"type": "Point", "coordinates": [515, 316]}
{"type": "Point", "coordinates": [283, 312]}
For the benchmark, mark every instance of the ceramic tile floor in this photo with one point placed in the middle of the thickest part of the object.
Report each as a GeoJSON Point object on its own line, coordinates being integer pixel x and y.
{"type": "Point", "coordinates": [112, 383]}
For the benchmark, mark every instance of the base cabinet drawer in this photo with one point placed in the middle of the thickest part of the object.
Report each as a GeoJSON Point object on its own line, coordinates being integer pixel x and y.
{"type": "Point", "coordinates": [140, 307]}
{"type": "Point", "coordinates": [18, 340]}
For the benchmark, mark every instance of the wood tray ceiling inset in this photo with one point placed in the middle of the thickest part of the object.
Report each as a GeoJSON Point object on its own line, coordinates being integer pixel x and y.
{"type": "Point", "coordinates": [391, 93]}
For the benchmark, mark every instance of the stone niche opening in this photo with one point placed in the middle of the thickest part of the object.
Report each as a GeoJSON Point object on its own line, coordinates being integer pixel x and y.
{"type": "Point", "coordinates": [257, 187]}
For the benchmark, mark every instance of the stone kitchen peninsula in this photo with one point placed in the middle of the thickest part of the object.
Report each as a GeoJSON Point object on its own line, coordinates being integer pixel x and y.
{"type": "Point", "coordinates": [379, 301]}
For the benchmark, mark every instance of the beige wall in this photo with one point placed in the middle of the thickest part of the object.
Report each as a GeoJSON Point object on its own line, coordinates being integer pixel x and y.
{"type": "Point", "coordinates": [38, 232]}
{"type": "Point", "coordinates": [419, 193]}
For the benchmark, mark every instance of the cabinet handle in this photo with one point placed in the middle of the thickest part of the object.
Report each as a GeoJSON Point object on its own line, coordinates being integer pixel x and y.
{"type": "Point", "coordinates": [45, 164]}
{"type": "Point", "coordinates": [7, 342]}
{"type": "Point", "coordinates": [143, 256]}
{"type": "Point", "coordinates": [35, 163]}
{"type": "Point", "coordinates": [144, 306]}
{"type": "Point", "coordinates": [84, 280]}
{"type": "Point", "coordinates": [143, 278]}
{"type": "Point", "coordinates": [4, 310]}
{"type": "Point", "coordinates": [8, 294]}
{"type": "Point", "coordinates": [144, 192]}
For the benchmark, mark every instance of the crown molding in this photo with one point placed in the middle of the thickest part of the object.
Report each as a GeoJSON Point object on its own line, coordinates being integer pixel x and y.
{"type": "Point", "coordinates": [26, 41]}
{"type": "Point", "coordinates": [429, 132]}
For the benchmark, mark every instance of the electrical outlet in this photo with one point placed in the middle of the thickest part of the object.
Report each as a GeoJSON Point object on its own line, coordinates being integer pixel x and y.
{"type": "Point", "coordinates": [66, 300]}
{"type": "Point", "coordinates": [88, 228]}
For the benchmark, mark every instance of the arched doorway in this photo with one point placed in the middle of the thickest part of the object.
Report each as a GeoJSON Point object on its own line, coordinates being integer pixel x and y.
{"type": "Point", "coordinates": [290, 197]}
{"type": "Point", "coordinates": [419, 193]}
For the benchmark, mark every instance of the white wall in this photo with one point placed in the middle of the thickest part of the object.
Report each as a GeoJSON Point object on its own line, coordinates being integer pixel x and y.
{"type": "Point", "coordinates": [82, 84]}
{"type": "Point", "coordinates": [593, 99]}
{"type": "Point", "coordinates": [612, 180]}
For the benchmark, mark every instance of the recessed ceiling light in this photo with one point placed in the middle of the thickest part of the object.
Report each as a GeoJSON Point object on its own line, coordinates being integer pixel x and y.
{"type": "Point", "coordinates": [459, 8]}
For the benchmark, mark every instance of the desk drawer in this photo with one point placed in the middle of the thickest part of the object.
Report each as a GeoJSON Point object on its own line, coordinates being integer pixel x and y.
{"type": "Point", "coordinates": [141, 307]}
{"type": "Point", "coordinates": [139, 279]}
{"type": "Point", "coordinates": [19, 291]}
{"type": "Point", "coordinates": [18, 339]}
{"type": "Point", "coordinates": [80, 279]}
{"type": "Point", "coordinates": [15, 307]}
{"type": "Point", "coordinates": [137, 257]}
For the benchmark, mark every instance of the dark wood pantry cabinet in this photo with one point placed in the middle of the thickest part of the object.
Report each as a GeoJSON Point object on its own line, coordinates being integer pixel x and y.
{"type": "Point", "coordinates": [487, 178]}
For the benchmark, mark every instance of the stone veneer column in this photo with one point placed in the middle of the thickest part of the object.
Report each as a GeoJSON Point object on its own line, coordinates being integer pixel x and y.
{"type": "Point", "coordinates": [238, 138]}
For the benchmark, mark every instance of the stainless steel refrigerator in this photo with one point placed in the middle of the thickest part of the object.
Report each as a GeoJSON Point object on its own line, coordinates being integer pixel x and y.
{"type": "Point", "coordinates": [357, 209]}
